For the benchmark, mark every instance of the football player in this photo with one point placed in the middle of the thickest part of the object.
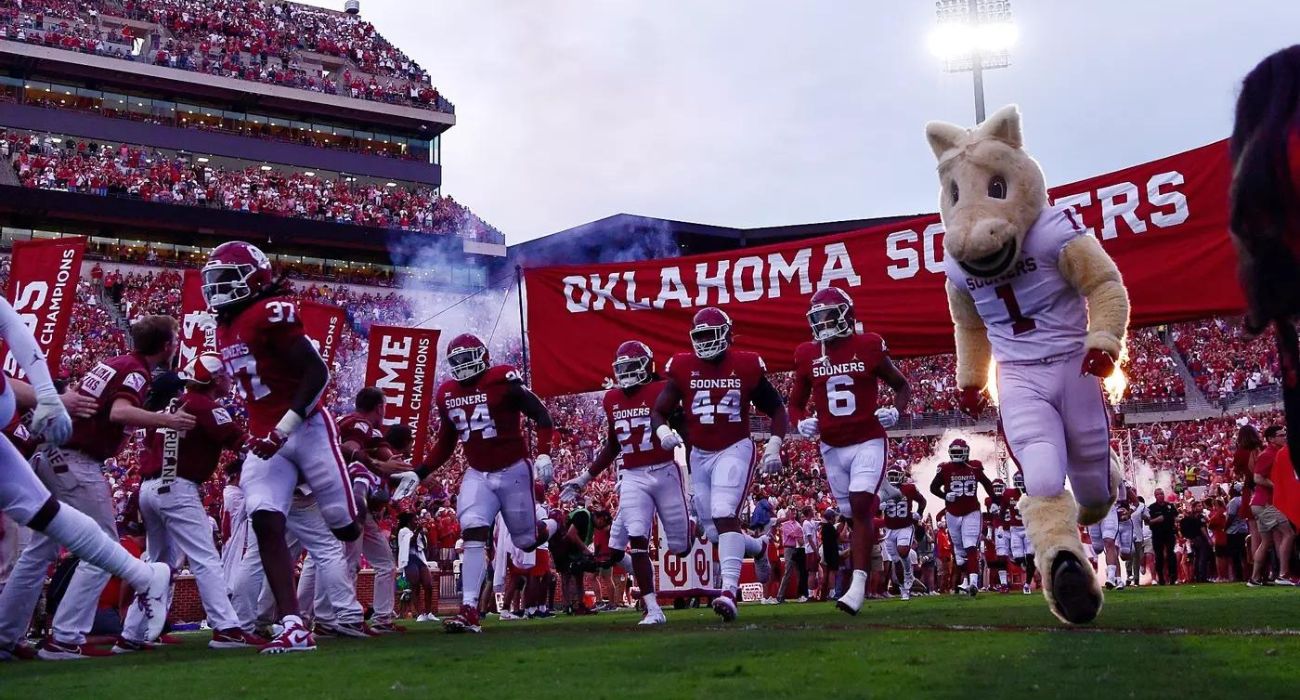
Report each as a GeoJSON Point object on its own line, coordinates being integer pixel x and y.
{"type": "Point", "coordinates": [480, 407]}
{"type": "Point", "coordinates": [1018, 546]}
{"type": "Point", "coordinates": [25, 498]}
{"type": "Point", "coordinates": [1103, 535]}
{"type": "Point", "coordinates": [993, 518]}
{"type": "Point", "coordinates": [649, 483]}
{"type": "Point", "coordinates": [283, 379]}
{"type": "Point", "coordinates": [716, 385]}
{"type": "Point", "coordinates": [1124, 537]}
{"type": "Point", "coordinates": [840, 370]}
{"type": "Point", "coordinates": [957, 482]}
{"type": "Point", "coordinates": [900, 526]}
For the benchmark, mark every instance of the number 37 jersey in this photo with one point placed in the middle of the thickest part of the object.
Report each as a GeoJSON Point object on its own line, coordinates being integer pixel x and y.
{"type": "Point", "coordinates": [485, 415]}
{"type": "Point", "coordinates": [843, 385]}
{"type": "Point", "coordinates": [716, 395]}
{"type": "Point", "coordinates": [1031, 311]}
{"type": "Point", "coordinates": [254, 346]}
{"type": "Point", "coordinates": [628, 413]}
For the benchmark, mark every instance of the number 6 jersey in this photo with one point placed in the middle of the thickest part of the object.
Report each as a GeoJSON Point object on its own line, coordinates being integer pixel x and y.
{"type": "Point", "coordinates": [485, 416]}
{"type": "Point", "coordinates": [716, 395]}
{"type": "Point", "coordinates": [843, 385]}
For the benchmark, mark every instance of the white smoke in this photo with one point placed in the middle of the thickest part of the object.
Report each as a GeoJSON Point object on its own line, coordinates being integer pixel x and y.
{"type": "Point", "coordinates": [1146, 479]}
{"type": "Point", "coordinates": [983, 447]}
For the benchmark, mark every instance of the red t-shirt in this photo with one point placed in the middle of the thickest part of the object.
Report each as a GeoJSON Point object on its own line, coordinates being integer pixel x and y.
{"type": "Point", "coordinates": [1263, 495]}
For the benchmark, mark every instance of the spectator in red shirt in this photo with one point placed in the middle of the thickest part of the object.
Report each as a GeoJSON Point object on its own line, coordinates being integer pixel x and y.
{"type": "Point", "coordinates": [1274, 528]}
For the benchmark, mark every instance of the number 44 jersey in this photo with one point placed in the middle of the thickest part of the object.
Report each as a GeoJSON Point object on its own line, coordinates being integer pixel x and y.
{"type": "Point", "coordinates": [485, 415]}
{"type": "Point", "coordinates": [843, 384]}
{"type": "Point", "coordinates": [716, 395]}
{"type": "Point", "coordinates": [254, 346]}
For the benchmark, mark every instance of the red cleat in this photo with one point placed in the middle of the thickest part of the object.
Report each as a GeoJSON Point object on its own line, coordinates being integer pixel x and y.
{"type": "Point", "coordinates": [464, 621]}
{"type": "Point", "coordinates": [234, 638]}
{"type": "Point", "coordinates": [725, 606]}
{"type": "Point", "coordinates": [58, 651]}
{"type": "Point", "coordinates": [293, 637]}
{"type": "Point", "coordinates": [168, 639]}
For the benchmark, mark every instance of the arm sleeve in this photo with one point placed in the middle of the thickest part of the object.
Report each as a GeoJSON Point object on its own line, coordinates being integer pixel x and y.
{"type": "Point", "coordinates": [25, 350]}
{"type": "Point", "coordinates": [800, 392]}
{"type": "Point", "coordinates": [403, 547]}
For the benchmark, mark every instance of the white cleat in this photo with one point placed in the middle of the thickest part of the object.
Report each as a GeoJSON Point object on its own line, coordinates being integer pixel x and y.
{"type": "Point", "coordinates": [850, 602]}
{"type": "Point", "coordinates": [654, 618]}
{"type": "Point", "coordinates": [154, 599]}
{"type": "Point", "coordinates": [1027, 590]}
{"type": "Point", "coordinates": [725, 606]}
{"type": "Point", "coordinates": [905, 595]}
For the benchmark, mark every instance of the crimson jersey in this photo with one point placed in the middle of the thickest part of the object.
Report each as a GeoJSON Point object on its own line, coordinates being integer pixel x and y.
{"type": "Point", "coordinates": [843, 385]}
{"type": "Point", "coordinates": [993, 506]}
{"type": "Point", "coordinates": [254, 346]}
{"type": "Point", "coordinates": [628, 413]}
{"type": "Point", "coordinates": [961, 479]}
{"type": "Point", "coordinates": [898, 510]}
{"type": "Point", "coordinates": [716, 395]}
{"type": "Point", "coordinates": [191, 454]}
{"type": "Point", "coordinates": [1011, 508]}
{"type": "Point", "coordinates": [354, 428]}
{"type": "Point", "coordinates": [485, 416]}
{"type": "Point", "coordinates": [122, 377]}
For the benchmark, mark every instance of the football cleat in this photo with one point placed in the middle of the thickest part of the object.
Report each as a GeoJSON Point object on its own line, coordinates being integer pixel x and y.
{"type": "Point", "coordinates": [19, 651]}
{"type": "Point", "coordinates": [1027, 589]}
{"type": "Point", "coordinates": [507, 616]}
{"type": "Point", "coordinates": [153, 599]}
{"type": "Point", "coordinates": [126, 646]}
{"type": "Point", "coordinates": [234, 638]}
{"type": "Point", "coordinates": [653, 618]}
{"type": "Point", "coordinates": [725, 606]}
{"type": "Point", "coordinates": [58, 651]}
{"type": "Point", "coordinates": [293, 637]}
{"type": "Point", "coordinates": [851, 601]}
{"type": "Point", "coordinates": [386, 628]}
{"type": "Point", "coordinates": [904, 595]}
{"type": "Point", "coordinates": [323, 630]}
{"type": "Point", "coordinates": [464, 621]}
{"type": "Point", "coordinates": [356, 630]}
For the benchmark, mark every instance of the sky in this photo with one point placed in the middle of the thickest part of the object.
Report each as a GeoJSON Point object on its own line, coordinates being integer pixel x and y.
{"type": "Point", "coordinates": [762, 112]}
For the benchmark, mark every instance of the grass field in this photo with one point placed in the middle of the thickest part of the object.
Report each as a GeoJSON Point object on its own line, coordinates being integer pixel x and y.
{"type": "Point", "coordinates": [1189, 641]}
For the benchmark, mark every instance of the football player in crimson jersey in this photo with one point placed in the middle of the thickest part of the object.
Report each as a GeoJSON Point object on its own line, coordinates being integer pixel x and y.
{"type": "Point", "coordinates": [957, 482]}
{"type": "Point", "coordinates": [839, 369]}
{"type": "Point", "coordinates": [650, 482]}
{"type": "Point", "coordinates": [993, 524]}
{"type": "Point", "coordinates": [25, 499]}
{"type": "Point", "coordinates": [900, 525]}
{"type": "Point", "coordinates": [716, 385]}
{"type": "Point", "coordinates": [283, 378]}
{"type": "Point", "coordinates": [480, 407]}
{"type": "Point", "coordinates": [1017, 543]}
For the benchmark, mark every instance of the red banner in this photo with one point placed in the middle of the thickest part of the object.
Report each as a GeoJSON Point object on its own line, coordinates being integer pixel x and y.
{"type": "Point", "coordinates": [1165, 222]}
{"type": "Point", "coordinates": [402, 364]}
{"type": "Point", "coordinates": [42, 287]}
{"type": "Point", "coordinates": [198, 325]}
{"type": "Point", "coordinates": [323, 323]}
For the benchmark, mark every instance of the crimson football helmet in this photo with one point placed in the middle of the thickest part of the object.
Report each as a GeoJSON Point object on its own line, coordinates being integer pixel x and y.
{"type": "Point", "coordinates": [959, 451]}
{"type": "Point", "coordinates": [235, 272]}
{"type": "Point", "coordinates": [710, 333]}
{"type": "Point", "coordinates": [634, 364]}
{"type": "Point", "coordinates": [895, 476]}
{"type": "Point", "coordinates": [1018, 481]}
{"type": "Point", "coordinates": [999, 486]}
{"type": "Point", "coordinates": [467, 357]}
{"type": "Point", "coordinates": [831, 314]}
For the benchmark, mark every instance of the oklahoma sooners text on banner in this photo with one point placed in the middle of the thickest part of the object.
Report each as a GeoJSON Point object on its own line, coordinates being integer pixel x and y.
{"type": "Point", "coordinates": [323, 323]}
{"type": "Point", "coordinates": [198, 325]}
{"type": "Point", "coordinates": [43, 276]}
{"type": "Point", "coordinates": [1165, 222]}
{"type": "Point", "coordinates": [402, 364]}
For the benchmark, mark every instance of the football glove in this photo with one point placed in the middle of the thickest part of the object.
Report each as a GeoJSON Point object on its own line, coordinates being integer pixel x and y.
{"type": "Point", "coordinates": [887, 416]}
{"type": "Point", "coordinates": [772, 456]}
{"type": "Point", "coordinates": [951, 496]}
{"type": "Point", "coordinates": [573, 487]}
{"type": "Point", "coordinates": [51, 420]}
{"type": "Point", "coordinates": [808, 427]}
{"type": "Point", "coordinates": [668, 438]}
{"type": "Point", "coordinates": [544, 469]}
{"type": "Point", "coordinates": [266, 446]}
{"type": "Point", "coordinates": [972, 401]}
{"type": "Point", "coordinates": [407, 483]}
{"type": "Point", "coordinates": [1098, 363]}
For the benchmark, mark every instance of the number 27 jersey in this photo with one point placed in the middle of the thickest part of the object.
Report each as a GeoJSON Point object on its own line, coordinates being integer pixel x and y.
{"type": "Point", "coordinates": [628, 413]}
{"type": "Point", "coordinates": [716, 395]}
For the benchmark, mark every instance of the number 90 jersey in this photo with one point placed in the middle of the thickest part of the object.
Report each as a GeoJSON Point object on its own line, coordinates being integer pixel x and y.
{"type": "Point", "coordinates": [963, 480]}
{"type": "Point", "coordinates": [716, 395]}
{"type": "Point", "coordinates": [843, 384]}
{"type": "Point", "coordinates": [485, 416]}
{"type": "Point", "coordinates": [628, 413]}
{"type": "Point", "coordinates": [254, 346]}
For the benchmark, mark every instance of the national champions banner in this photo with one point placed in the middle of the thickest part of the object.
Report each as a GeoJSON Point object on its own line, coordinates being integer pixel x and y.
{"type": "Point", "coordinates": [42, 287]}
{"type": "Point", "coordinates": [402, 363]}
{"type": "Point", "coordinates": [1164, 222]}
{"type": "Point", "coordinates": [323, 324]}
{"type": "Point", "coordinates": [198, 325]}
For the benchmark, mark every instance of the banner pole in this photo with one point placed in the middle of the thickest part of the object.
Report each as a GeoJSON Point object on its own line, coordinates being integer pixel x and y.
{"type": "Point", "coordinates": [523, 327]}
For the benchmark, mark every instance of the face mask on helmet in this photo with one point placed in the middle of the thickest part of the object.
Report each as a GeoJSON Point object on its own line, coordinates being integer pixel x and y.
{"type": "Point", "coordinates": [710, 341]}
{"type": "Point", "coordinates": [1018, 480]}
{"type": "Point", "coordinates": [226, 283]}
{"type": "Point", "coordinates": [466, 362]}
{"type": "Point", "coordinates": [630, 371]}
{"type": "Point", "coordinates": [959, 451]}
{"type": "Point", "coordinates": [999, 487]}
{"type": "Point", "coordinates": [828, 322]}
{"type": "Point", "coordinates": [895, 477]}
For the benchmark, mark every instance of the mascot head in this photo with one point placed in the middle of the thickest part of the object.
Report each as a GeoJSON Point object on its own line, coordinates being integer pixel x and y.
{"type": "Point", "coordinates": [990, 193]}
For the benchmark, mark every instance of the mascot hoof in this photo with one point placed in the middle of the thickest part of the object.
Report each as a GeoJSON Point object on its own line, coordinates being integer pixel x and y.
{"type": "Point", "coordinates": [1075, 597]}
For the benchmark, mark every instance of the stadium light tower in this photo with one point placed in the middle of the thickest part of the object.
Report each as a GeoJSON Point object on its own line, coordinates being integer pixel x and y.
{"type": "Point", "coordinates": [975, 36]}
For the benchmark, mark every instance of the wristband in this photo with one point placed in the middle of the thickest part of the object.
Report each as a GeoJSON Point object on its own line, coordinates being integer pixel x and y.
{"type": "Point", "coordinates": [289, 423]}
{"type": "Point", "coordinates": [663, 432]}
{"type": "Point", "coordinates": [544, 438]}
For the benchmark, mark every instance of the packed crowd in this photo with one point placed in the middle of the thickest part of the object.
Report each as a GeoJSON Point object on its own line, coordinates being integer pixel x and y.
{"type": "Point", "coordinates": [279, 43]}
{"type": "Point", "coordinates": [52, 163]}
{"type": "Point", "coordinates": [1224, 359]}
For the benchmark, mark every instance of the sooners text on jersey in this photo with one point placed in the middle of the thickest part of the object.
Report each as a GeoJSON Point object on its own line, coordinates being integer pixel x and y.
{"type": "Point", "coordinates": [716, 395]}
{"type": "Point", "coordinates": [191, 454]}
{"type": "Point", "coordinates": [122, 377]}
{"type": "Point", "coordinates": [962, 479]}
{"type": "Point", "coordinates": [485, 418]}
{"type": "Point", "coordinates": [843, 384]}
{"type": "Point", "coordinates": [628, 413]}
{"type": "Point", "coordinates": [898, 510]}
{"type": "Point", "coordinates": [255, 349]}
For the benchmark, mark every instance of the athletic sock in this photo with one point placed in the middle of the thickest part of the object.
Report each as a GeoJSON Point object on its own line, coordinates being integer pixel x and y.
{"type": "Point", "coordinates": [973, 580]}
{"type": "Point", "coordinates": [1002, 576]}
{"type": "Point", "coordinates": [651, 602]}
{"type": "Point", "coordinates": [909, 577]}
{"type": "Point", "coordinates": [1112, 572]}
{"type": "Point", "coordinates": [472, 567]}
{"type": "Point", "coordinates": [731, 550]}
{"type": "Point", "coordinates": [83, 537]}
{"type": "Point", "coordinates": [858, 586]}
{"type": "Point", "coordinates": [754, 546]}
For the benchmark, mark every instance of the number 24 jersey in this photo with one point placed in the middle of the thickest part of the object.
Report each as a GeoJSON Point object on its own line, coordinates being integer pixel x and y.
{"type": "Point", "coordinates": [716, 395]}
{"type": "Point", "coordinates": [843, 385]}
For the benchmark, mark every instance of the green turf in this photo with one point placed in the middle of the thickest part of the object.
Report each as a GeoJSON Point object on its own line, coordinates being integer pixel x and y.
{"type": "Point", "coordinates": [1201, 641]}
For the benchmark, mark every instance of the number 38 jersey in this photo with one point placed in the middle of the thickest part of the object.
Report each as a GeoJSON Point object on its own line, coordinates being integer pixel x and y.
{"type": "Point", "coordinates": [254, 346]}
{"type": "Point", "coordinates": [628, 413]}
{"type": "Point", "coordinates": [843, 385]}
{"type": "Point", "coordinates": [716, 395]}
{"type": "Point", "coordinates": [485, 416]}
{"type": "Point", "coordinates": [1031, 311]}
